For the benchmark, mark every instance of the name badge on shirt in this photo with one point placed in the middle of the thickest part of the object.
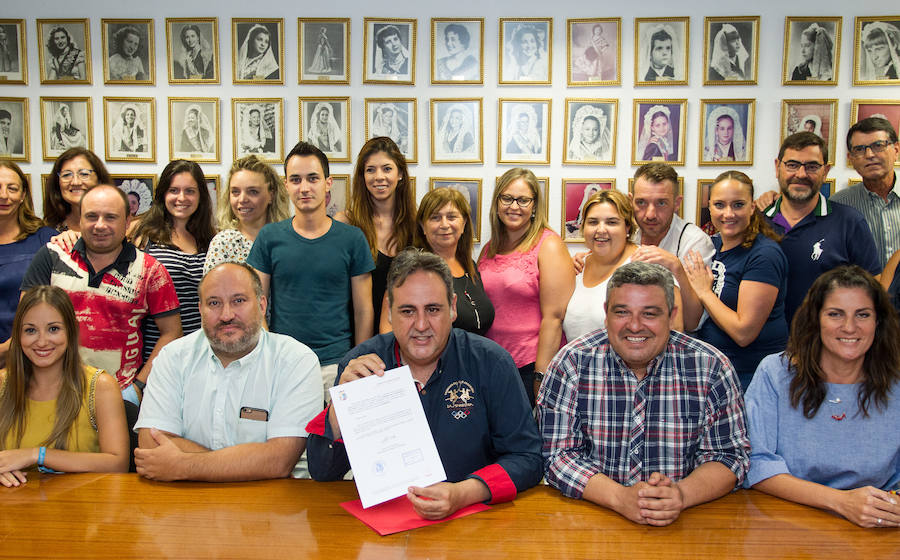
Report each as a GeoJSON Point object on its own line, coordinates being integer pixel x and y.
{"type": "Point", "coordinates": [250, 413]}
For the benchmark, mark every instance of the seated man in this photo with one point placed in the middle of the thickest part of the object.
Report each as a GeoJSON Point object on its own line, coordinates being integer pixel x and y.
{"type": "Point", "coordinates": [470, 390]}
{"type": "Point", "coordinates": [229, 403]}
{"type": "Point", "coordinates": [661, 427]}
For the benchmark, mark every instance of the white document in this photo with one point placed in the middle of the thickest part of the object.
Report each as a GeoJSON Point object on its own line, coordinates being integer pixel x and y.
{"type": "Point", "coordinates": [387, 437]}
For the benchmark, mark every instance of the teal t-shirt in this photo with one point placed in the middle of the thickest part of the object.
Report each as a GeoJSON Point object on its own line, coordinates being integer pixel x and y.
{"type": "Point", "coordinates": [309, 291]}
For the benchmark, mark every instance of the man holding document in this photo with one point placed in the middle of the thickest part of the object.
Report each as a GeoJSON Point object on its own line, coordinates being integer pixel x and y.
{"type": "Point", "coordinates": [469, 387]}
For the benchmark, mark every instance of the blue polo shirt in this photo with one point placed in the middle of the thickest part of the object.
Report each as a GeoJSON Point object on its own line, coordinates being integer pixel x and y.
{"type": "Point", "coordinates": [831, 235]}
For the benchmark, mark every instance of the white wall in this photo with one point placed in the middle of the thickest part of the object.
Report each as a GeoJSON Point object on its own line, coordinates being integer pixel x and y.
{"type": "Point", "coordinates": [768, 93]}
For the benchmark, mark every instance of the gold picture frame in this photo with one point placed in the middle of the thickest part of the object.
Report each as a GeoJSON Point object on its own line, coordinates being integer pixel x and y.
{"type": "Point", "coordinates": [248, 64]}
{"type": "Point", "coordinates": [702, 218]}
{"type": "Point", "coordinates": [319, 61]}
{"type": "Point", "coordinates": [718, 69]}
{"type": "Point", "coordinates": [798, 114]}
{"type": "Point", "coordinates": [470, 187]}
{"type": "Point", "coordinates": [523, 141]}
{"type": "Point", "coordinates": [884, 30]}
{"type": "Point", "coordinates": [139, 189]}
{"type": "Point", "coordinates": [201, 35]}
{"type": "Point", "coordinates": [381, 35]}
{"type": "Point", "coordinates": [257, 128]}
{"type": "Point", "coordinates": [575, 193]}
{"type": "Point", "coordinates": [73, 64]}
{"type": "Point", "coordinates": [66, 122]}
{"type": "Point", "coordinates": [398, 119]}
{"type": "Point", "coordinates": [821, 36]}
{"type": "Point", "coordinates": [742, 113]}
{"type": "Point", "coordinates": [456, 130]}
{"type": "Point", "coordinates": [647, 118]}
{"type": "Point", "coordinates": [195, 121]}
{"type": "Point", "coordinates": [648, 32]}
{"type": "Point", "coordinates": [15, 146]}
{"type": "Point", "coordinates": [468, 64]}
{"type": "Point", "coordinates": [124, 68]}
{"type": "Point", "coordinates": [332, 136]}
{"type": "Point", "coordinates": [521, 37]}
{"type": "Point", "coordinates": [212, 187]}
{"type": "Point", "coordinates": [17, 74]}
{"type": "Point", "coordinates": [337, 197]}
{"type": "Point", "coordinates": [886, 108]}
{"type": "Point", "coordinates": [129, 128]}
{"type": "Point", "coordinates": [585, 66]}
{"type": "Point", "coordinates": [597, 117]}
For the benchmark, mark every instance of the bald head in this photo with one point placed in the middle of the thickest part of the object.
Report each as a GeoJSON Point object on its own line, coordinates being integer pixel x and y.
{"type": "Point", "coordinates": [106, 188]}
{"type": "Point", "coordinates": [233, 270]}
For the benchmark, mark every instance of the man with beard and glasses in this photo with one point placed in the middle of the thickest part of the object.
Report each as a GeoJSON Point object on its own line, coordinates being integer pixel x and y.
{"type": "Point", "coordinates": [229, 403]}
{"type": "Point", "coordinates": [818, 234]}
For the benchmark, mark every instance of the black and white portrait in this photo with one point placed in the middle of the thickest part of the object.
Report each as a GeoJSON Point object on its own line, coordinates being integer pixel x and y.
{"type": "Point", "coordinates": [128, 51]}
{"type": "Point", "coordinates": [471, 189]}
{"type": "Point", "coordinates": [731, 49]}
{"type": "Point", "coordinates": [65, 51]}
{"type": "Point", "coordinates": [877, 59]}
{"type": "Point", "coordinates": [456, 131]}
{"type": "Point", "coordinates": [661, 56]}
{"type": "Point", "coordinates": [130, 129]}
{"type": "Point", "coordinates": [65, 123]}
{"type": "Point", "coordinates": [324, 50]}
{"type": "Point", "coordinates": [193, 47]}
{"type": "Point", "coordinates": [13, 63]}
{"type": "Point", "coordinates": [390, 55]}
{"type": "Point", "coordinates": [456, 55]}
{"type": "Point", "coordinates": [811, 50]}
{"type": "Point", "coordinates": [524, 135]}
{"type": "Point", "coordinates": [14, 128]}
{"type": "Point", "coordinates": [396, 119]}
{"type": "Point", "coordinates": [813, 116]}
{"type": "Point", "coordinates": [325, 122]}
{"type": "Point", "coordinates": [194, 129]}
{"type": "Point", "coordinates": [590, 131]}
{"type": "Point", "coordinates": [727, 132]}
{"type": "Point", "coordinates": [257, 128]}
{"type": "Point", "coordinates": [336, 198]}
{"type": "Point", "coordinates": [257, 51]}
{"type": "Point", "coordinates": [526, 50]}
{"type": "Point", "coordinates": [139, 190]}
{"type": "Point", "coordinates": [593, 51]}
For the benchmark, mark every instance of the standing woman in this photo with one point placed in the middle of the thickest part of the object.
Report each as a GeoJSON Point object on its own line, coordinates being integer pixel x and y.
{"type": "Point", "coordinates": [55, 412]}
{"type": "Point", "coordinates": [255, 196]}
{"type": "Point", "coordinates": [21, 235]}
{"type": "Point", "coordinates": [743, 289]}
{"type": "Point", "coordinates": [382, 205]}
{"type": "Point", "coordinates": [74, 172]}
{"type": "Point", "coordinates": [528, 276]}
{"type": "Point", "coordinates": [176, 231]}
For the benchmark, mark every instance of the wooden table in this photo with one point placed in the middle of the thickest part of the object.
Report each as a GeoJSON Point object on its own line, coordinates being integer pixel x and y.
{"type": "Point", "coordinates": [124, 516]}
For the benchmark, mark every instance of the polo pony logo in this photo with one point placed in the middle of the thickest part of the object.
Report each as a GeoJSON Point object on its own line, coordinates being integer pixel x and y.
{"type": "Point", "coordinates": [817, 249]}
{"type": "Point", "coordinates": [460, 397]}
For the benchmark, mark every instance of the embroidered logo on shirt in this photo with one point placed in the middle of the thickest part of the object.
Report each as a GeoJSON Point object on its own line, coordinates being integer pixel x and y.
{"type": "Point", "coordinates": [817, 249]}
{"type": "Point", "coordinates": [460, 397]}
{"type": "Point", "coordinates": [838, 418]}
{"type": "Point", "coordinates": [718, 270]}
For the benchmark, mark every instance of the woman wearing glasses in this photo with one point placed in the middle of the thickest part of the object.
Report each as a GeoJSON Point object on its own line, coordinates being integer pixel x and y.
{"type": "Point", "coordinates": [527, 274]}
{"type": "Point", "coordinates": [74, 172]}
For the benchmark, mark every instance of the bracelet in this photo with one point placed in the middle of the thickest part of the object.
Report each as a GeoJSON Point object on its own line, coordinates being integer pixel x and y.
{"type": "Point", "coordinates": [139, 384]}
{"type": "Point", "coordinates": [538, 375]}
{"type": "Point", "coordinates": [42, 452]}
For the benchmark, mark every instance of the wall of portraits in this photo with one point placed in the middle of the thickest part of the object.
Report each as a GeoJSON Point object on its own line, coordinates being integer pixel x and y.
{"type": "Point", "coordinates": [581, 99]}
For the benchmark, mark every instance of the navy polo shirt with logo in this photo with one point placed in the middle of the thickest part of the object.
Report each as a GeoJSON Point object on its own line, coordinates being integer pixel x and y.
{"type": "Point", "coordinates": [831, 235]}
{"type": "Point", "coordinates": [477, 411]}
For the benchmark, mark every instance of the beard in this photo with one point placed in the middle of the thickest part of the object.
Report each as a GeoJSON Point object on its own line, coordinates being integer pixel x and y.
{"type": "Point", "coordinates": [795, 197]}
{"type": "Point", "coordinates": [242, 345]}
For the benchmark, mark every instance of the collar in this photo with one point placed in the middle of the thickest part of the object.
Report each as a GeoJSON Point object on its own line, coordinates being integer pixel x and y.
{"type": "Point", "coordinates": [127, 255]}
{"type": "Point", "coordinates": [822, 208]}
{"type": "Point", "coordinates": [439, 367]}
{"type": "Point", "coordinates": [895, 189]}
{"type": "Point", "coordinates": [243, 360]}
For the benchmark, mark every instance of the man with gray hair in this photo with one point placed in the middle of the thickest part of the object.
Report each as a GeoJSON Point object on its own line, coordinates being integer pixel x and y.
{"type": "Point", "coordinates": [662, 426]}
{"type": "Point", "coordinates": [469, 386]}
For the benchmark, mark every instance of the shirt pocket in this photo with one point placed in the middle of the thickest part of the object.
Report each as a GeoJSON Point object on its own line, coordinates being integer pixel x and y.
{"type": "Point", "coordinates": [251, 431]}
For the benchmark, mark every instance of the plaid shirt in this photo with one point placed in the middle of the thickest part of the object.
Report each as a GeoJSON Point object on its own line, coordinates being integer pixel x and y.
{"type": "Point", "coordinates": [596, 417]}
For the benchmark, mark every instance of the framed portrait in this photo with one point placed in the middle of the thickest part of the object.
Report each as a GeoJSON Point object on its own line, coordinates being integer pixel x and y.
{"type": "Point", "coordinates": [129, 126]}
{"type": "Point", "coordinates": [324, 45]}
{"type": "Point", "coordinates": [526, 50]}
{"type": "Point", "coordinates": [524, 135]}
{"type": "Point", "coordinates": [818, 116]}
{"type": "Point", "coordinates": [658, 132]}
{"type": "Point", "coordinates": [812, 51]}
{"type": "Point", "coordinates": [661, 51]}
{"type": "Point", "coordinates": [457, 50]}
{"type": "Point", "coordinates": [593, 51]}
{"type": "Point", "coordinates": [14, 129]}
{"type": "Point", "coordinates": [336, 199]}
{"type": "Point", "coordinates": [192, 50]}
{"type": "Point", "coordinates": [257, 51]}
{"type": "Point", "coordinates": [128, 51]}
{"type": "Point", "coordinates": [888, 109]}
{"type": "Point", "coordinates": [65, 123]}
{"type": "Point", "coordinates": [456, 130]}
{"type": "Point", "coordinates": [680, 209]}
{"type": "Point", "coordinates": [212, 187]}
{"type": "Point", "coordinates": [575, 193]}
{"type": "Point", "coordinates": [471, 189]}
{"type": "Point", "coordinates": [390, 51]}
{"type": "Point", "coordinates": [258, 129]}
{"type": "Point", "coordinates": [194, 129]}
{"type": "Point", "coordinates": [727, 126]}
{"type": "Point", "coordinates": [730, 51]}
{"type": "Point", "coordinates": [398, 120]}
{"type": "Point", "coordinates": [325, 122]}
{"type": "Point", "coordinates": [65, 51]}
{"type": "Point", "coordinates": [138, 188]}
{"type": "Point", "coordinates": [591, 128]}
{"type": "Point", "coordinates": [876, 51]}
{"type": "Point", "coordinates": [13, 54]}
{"type": "Point", "coordinates": [702, 218]}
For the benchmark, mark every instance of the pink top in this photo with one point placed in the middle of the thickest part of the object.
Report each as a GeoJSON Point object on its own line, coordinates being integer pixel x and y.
{"type": "Point", "coordinates": [512, 283]}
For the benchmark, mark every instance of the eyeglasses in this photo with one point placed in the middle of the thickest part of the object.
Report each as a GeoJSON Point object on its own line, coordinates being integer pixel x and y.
{"type": "Point", "coordinates": [83, 174]}
{"type": "Point", "coordinates": [877, 147]}
{"type": "Point", "coordinates": [522, 201]}
{"type": "Point", "coordinates": [811, 167]}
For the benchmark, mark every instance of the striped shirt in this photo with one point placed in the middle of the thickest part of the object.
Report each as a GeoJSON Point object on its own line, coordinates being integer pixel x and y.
{"type": "Point", "coordinates": [883, 217]}
{"type": "Point", "coordinates": [596, 417]}
{"type": "Point", "coordinates": [186, 271]}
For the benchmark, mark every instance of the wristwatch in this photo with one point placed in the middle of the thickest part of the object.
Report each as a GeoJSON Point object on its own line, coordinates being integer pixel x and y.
{"type": "Point", "coordinates": [140, 384]}
{"type": "Point", "coordinates": [538, 375]}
